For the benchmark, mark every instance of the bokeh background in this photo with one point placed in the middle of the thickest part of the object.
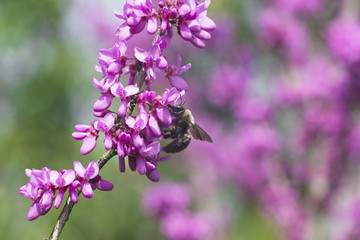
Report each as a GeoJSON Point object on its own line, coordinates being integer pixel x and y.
{"type": "Point", "coordinates": [277, 88]}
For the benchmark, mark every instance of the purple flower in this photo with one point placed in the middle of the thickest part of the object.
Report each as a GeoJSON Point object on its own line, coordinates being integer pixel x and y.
{"type": "Point", "coordinates": [181, 225]}
{"type": "Point", "coordinates": [105, 125]}
{"type": "Point", "coordinates": [39, 189]}
{"type": "Point", "coordinates": [193, 24]}
{"type": "Point", "coordinates": [300, 6]}
{"type": "Point", "coordinates": [165, 15]}
{"type": "Point", "coordinates": [160, 199]}
{"type": "Point", "coordinates": [104, 83]}
{"type": "Point", "coordinates": [343, 39]}
{"type": "Point", "coordinates": [137, 124]}
{"type": "Point", "coordinates": [137, 13]}
{"type": "Point", "coordinates": [40, 207]}
{"type": "Point", "coordinates": [154, 56]}
{"type": "Point", "coordinates": [280, 29]}
{"type": "Point", "coordinates": [283, 203]}
{"type": "Point", "coordinates": [102, 184]}
{"type": "Point", "coordinates": [173, 74]}
{"type": "Point", "coordinates": [112, 60]}
{"type": "Point", "coordinates": [232, 86]}
{"type": "Point", "coordinates": [172, 96]}
{"type": "Point", "coordinates": [61, 180]}
{"type": "Point", "coordinates": [123, 147]}
{"type": "Point", "coordinates": [89, 136]}
{"type": "Point", "coordinates": [150, 151]}
{"type": "Point", "coordinates": [152, 172]}
{"type": "Point", "coordinates": [124, 94]}
{"type": "Point", "coordinates": [84, 175]}
{"type": "Point", "coordinates": [143, 98]}
{"type": "Point", "coordinates": [103, 103]}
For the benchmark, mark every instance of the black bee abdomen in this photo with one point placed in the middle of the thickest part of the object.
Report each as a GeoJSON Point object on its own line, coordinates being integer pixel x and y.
{"type": "Point", "coordinates": [179, 144]}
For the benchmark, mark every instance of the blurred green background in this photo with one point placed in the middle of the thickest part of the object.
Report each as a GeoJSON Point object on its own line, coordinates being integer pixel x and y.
{"type": "Point", "coordinates": [48, 54]}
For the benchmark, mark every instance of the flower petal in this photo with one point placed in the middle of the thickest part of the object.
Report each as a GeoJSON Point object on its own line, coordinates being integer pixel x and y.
{"type": "Point", "coordinates": [151, 150]}
{"type": "Point", "coordinates": [53, 177]}
{"type": "Point", "coordinates": [104, 185]}
{"type": "Point", "coordinates": [92, 170]}
{"type": "Point", "coordinates": [207, 24]}
{"type": "Point", "coordinates": [140, 165]}
{"type": "Point", "coordinates": [73, 194]}
{"type": "Point", "coordinates": [140, 54]}
{"type": "Point", "coordinates": [123, 108]}
{"type": "Point", "coordinates": [163, 116]}
{"type": "Point", "coordinates": [79, 135]}
{"type": "Point", "coordinates": [161, 62]}
{"type": "Point", "coordinates": [154, 126]}
{"type": "Point", "coordinates": [185, 32]}
{"type": "Point", "coordinates": [108, 142]}
{"type": "Point", "coordinates": [138, 28]}
{"type": "Point", "coordinates": [34, 211]}
{"type": "Point", "coordinates": [82, 127]}
{"type": "Point", "coordinates": [79, 169]}
{"type": "Point", "coordinates": [138, 141]}
{"type": "Point", "coordinates": [152, 25]}
{"type": "Point", "coordinates": [103, 103]}
{"type": "Point", "coordinates": [178, 82]}
{"type": "Point", "coordinates": [121, 164]}
{"type": "Point", "coordinates": [153, 175]}
{"type": "Point", "coordinates": [131, 90]}
{"type": "Point", "coordinates": [59, 198]}
{"type": "Point", "coordinates": [88, 145]}
{"type": "Point", "coordinates": [114, 68]}
{"type": "Point", "coordinates": [124, 32]}
{"type": "Point", "coordinates": [69, 177]}
{"type": "Point", "coordinates": [87, 190]}
{"type": "Point", "coordinates": [198, 42]}
{"type": "Point", "coordinates": [132, 163]}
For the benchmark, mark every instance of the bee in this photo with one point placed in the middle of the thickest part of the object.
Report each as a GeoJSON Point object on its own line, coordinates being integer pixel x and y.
{"type": "Point", "coordinates": [179, 132]}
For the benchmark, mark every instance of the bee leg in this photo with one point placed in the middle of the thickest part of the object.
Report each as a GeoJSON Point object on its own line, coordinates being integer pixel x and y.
{"type": "Point", "coordinates": [179, 144]}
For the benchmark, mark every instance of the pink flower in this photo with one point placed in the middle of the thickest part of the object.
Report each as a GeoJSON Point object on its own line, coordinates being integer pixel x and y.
{"type": "Point", "coordinates": [105, 125]}
{"type": "Point", "coordinates": [137, 14]}
{"type": "Point", "coordinates": [173, 74]}
{"type": "Point", "coordinates": [89, 136]}
{"type": "Point", "coordinates": [343, 39]}
{"type": "Point", "coordinates": [61, 180]}
{"type": "Point", "coordinates": [84, 175]}
{"type": "Point", "coordinates": [154, 57]}
{"type": "Point", "coordinates": [124, 94]}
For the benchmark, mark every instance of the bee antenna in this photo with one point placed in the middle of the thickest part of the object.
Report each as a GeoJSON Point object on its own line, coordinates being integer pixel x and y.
{"type": "Point", "coordinates": [182, 102]}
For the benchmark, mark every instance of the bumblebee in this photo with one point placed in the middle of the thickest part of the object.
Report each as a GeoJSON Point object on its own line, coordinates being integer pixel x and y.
{"type": "Point", "coordinates": [179, 132]}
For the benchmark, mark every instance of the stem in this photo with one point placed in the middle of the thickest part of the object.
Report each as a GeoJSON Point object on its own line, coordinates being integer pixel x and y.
{"type": "Point", "coordinates": [140, 76]}
{"type": "Point", "coordinates": [64, 215]}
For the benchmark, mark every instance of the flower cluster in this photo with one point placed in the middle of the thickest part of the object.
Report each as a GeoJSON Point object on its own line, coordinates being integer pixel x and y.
{"type": "Point", "coordinates": [44, 184]}
{"type": "Point", "coordinates": [189, 17]}
{"type": "Point", "coordinates": [136, 138]}
{"type": "Point", "coordinates": [343, 39]}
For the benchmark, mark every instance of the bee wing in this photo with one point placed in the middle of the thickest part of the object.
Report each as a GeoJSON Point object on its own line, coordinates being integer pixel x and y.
{"type": "Point", "coordinates": [198, 133]}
